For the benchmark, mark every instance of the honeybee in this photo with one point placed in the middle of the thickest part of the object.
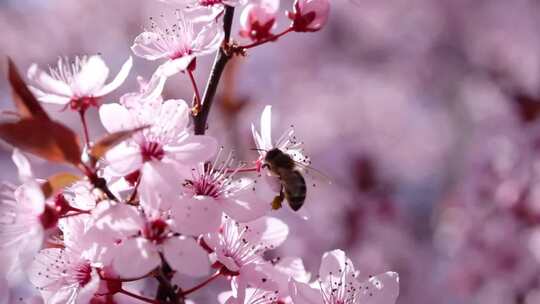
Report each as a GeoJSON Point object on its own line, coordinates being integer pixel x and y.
{"type": "Point", "coordinates": [293, 184]}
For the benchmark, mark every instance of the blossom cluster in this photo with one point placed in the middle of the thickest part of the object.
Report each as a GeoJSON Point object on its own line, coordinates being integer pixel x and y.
{"type": "Point", "coordinates": [156, 200]}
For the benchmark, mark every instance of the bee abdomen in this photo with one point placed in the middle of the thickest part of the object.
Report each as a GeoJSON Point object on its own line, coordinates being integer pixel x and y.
{"type": "Point", "coordinates": [294, 185]}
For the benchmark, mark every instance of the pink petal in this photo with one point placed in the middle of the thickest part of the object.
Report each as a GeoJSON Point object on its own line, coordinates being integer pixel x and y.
{"type": "Point", "coordinates": [266, 127]}
{"type": "Point", "coordinates": [46, 269]}
{"type": "Point", "coordinates": [195, 216]}
{"type": "Point", "coordinates": [302, 293]}
{"type": "Point", "coordinates": [382, 289]}
{"type": "Point", "coordinates": [173, 116]}
{"type": "Point", "coordinates": [174, 66]}
{"type": "Point", "coordinates": [209, 38]}
{"type": "Point", "coordinates": [115, 117]}
{"type": "Point", "coordinates": [118, 80]}
{"type": "Point", "coordinates": [145, 46]}
{"type": "Point", "coordinates": [333, 263]}
{"type": "Point", "coordinates": [267, 231]}
{"type": "Point", "coordinates": [48, 83]}
{"type": "Point", "coordinates": [159, 187]}
{"type": "Point", "coordinates": [192, 149]}
{"type": "Point", "coordinates": [255, 275]}
{"type": "Point", "coordinates": [135, 257]}
{"type": "Point", "coordinates": [22, 164]}
{"type": "Point", "coordinates": [49, 98]}
{"type": "Point", "coordinates": [245, 206]}
{"type": "Point", "coordinates": [288, 268]}
{"type": "Point", "coordinates": [186, 256]}
{"type": "Point", "coordinates": [124, 159]}
{"type": "Point", "coordinates": [91, 77]}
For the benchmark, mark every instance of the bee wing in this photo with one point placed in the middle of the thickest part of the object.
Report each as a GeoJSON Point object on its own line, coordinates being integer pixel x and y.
{"type": "Point", "coordinates": [313, 173]}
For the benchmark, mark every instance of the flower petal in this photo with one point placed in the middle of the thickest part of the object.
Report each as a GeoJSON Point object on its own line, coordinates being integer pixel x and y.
{"type": "Point", "coordinates": [134, 258]}
{"type": "Point", "coordinates": [192, 149]}
{"type": "Point", "coordinates": [48, 83]}
{"type": "Point", "coordinates": [174, 66]}
{"type": "Point", "coordinates": [302, 293]}
{"type": "Point", "coordinates": [49, 98]}
{"type": "Point", "coordinates": [124, 159]}
{"type": "Point", "coordinates": [380, 289]}
{"type": "Point", "coordinates": [266, 127]}
{"type": "Point", "coordinates": [91, 77]}
{"type": "Point", "coordinates": [209, 38]}
{"type": "Point", "coordinates": [145, 46]}
{"type": "Point", "coordinates": [195, 216]}
{"type": "Point", "coordinates": [270, 232]}
{"type": "Point", "coordinates": [115, 117]}
{"type": "Point", "coordinates": [118, 80]}
{"type": "Point", "coordinates": [335, 262]}
{"type": "Point", "coordinates": [186, 256]}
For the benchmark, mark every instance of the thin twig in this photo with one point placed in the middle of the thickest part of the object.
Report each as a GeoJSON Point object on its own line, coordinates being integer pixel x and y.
{"type": "Point", "coordinates": [220, 61]}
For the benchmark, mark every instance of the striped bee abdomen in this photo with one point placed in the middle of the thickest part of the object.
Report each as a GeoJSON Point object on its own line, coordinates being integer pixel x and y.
{"type": "Point", "coordinates": [294, 186]}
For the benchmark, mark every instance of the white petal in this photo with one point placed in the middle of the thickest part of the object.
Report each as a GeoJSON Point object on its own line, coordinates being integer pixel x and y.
{"type": "Point", "coordinates": [91, 77]}
{"type": "Point", "coordinates": [173, 67]}
{"type": "Point", "coordinates": [302, 293]}
{"type": "Point", "coordinates": [145, 46]}
{"type": "Point", "coordinates": [49, 98]}
{"type": "Point", "coordinates": [266, 127]}
{"type": "Point", "coordinates": [192, 149]}
{"type": "Point", "coordinates": [48, 83]}
{"type": "Point", "coordinates": [268, 231]}
{"type": "Point", "coordinates": [31, 196]}
{"type": "Point", "coordinates": [195, 216]}
{"type": "Point", "coordinates": [245, 206]}
{"type": "Point", "coordinates": [45, 271]}
{"type": "Point", "coordinates": [186, 256]}
{"type": "Point", "coordinates": [124, 159]}
{"type": "Point", "coordinates": [333, 263]}
{"type": "Point", "coordinates": [173, 116]}
{"type": "Point", "coordinates": [159, 187]}
{"type": "Point", "coordinates": [381, 289]}
{"type": "Point", "coordinates": [23, 165]}
{"type": "Point", "coordinates": [288, 268]}
{"type": "Point", "coordinates": [115, 117]}
{"type": "Point", "coordinates": [209, 38]}
{"type": "Point", "coordinates": [134, 258]}
{"type": "Point", "coordinates": [118, 80]}
{"type": "Point", "coordinates": [154, 88]}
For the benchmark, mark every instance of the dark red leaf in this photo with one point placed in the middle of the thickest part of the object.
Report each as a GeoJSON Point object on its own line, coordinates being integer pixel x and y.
{"type": "Point", "coordinates": [45, 138]}
{"type": "Point", "coordinates": [27, 105]}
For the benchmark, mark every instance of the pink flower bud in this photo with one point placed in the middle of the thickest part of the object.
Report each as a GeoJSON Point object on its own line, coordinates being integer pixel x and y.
{"type": "Point", "coordinates": [309, 15]}
{"type": "Point", "coordinates": [258, 20]}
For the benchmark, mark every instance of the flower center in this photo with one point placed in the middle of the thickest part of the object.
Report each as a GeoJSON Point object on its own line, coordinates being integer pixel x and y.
{"type": "Point", "coordinates": [83, 273]}
{"type": "Point", "coordinates": [209, 2]}
{"type": "Point", "coordinates": [152, 151]}
{"type": "Point", "coordinates": [156, 231]}
{"type": "Point", "coordinates": [49, 217]}
{"type": "Point", "coordinates": [83, 103]}
{"type": "Point", "coordinates": [205, 187]}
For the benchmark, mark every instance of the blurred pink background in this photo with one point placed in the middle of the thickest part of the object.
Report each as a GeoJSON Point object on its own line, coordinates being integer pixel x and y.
{"type": "Point", "coordinates": [422, 112]}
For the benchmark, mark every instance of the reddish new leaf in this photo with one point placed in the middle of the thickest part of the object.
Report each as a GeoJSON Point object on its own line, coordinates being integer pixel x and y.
{"type": "Point", "coordinates": [27, 105]}
{"type": "Point", "coordinates": [110, 141]}
{"type": "Point", "coordinates": [45, 138]}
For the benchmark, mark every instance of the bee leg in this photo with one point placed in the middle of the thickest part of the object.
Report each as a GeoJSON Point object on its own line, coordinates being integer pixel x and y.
{"type": "Point", "coordinates": [278, 200]}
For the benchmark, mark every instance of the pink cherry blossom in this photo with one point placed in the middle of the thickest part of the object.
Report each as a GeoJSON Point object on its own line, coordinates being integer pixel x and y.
{"type": "Point", "coordinates": [338, 283]}
{"type": "Point", "coordinates": [205, 10]}
{"type": "Point", "coordinates": [79, 83]}
{"type": "Point", "coordinates": [249, 295]}
{"type": "Point", "coordinates": [70, 274]}
{"type": "Point", "coordinates": [166, 145]}
{"type": "Point", "coordinates": [214, 190]}
{"type": "Point", "coordinates": [258, 20]}
{"type": "Point", "coordinates": [239, 248]}
{"type": "Point", "coordinates": [136, 243]}
{"type": "Point", "coordinates": [24, 218]}
{"type": "Point", "coordinates": [309, 15]}
{"type": "Point", "coordinates": [179, 44]}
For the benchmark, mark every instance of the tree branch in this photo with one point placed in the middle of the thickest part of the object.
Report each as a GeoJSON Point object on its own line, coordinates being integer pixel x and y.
{"type": "Point", "coordinates": [220, 61]}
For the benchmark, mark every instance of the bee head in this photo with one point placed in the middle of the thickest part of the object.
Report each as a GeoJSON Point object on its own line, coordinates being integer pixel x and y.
{"type": "Point", "coordinates": [272, 154]}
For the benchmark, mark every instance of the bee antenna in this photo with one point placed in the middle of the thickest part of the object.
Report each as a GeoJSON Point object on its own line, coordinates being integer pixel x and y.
{"type": "Point", "coordinates": [256, 149]}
